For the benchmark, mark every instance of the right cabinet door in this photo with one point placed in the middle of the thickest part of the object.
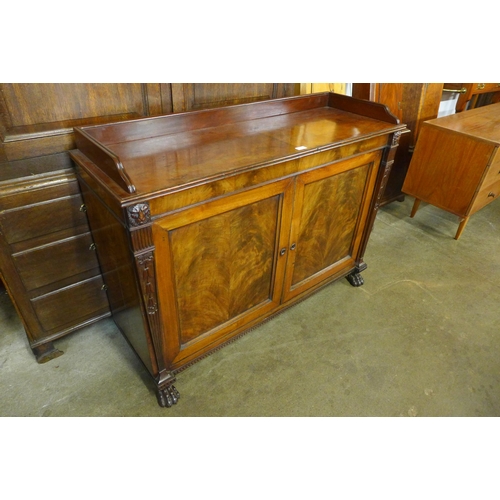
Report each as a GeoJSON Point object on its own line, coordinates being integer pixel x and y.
{"type": "Point", "coordinates": [330, 211]}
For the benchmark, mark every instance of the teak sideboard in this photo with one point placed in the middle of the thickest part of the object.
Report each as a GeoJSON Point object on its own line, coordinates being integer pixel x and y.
{"type": "Point", "coordinates": [456, 164]}
{"type": "Point", "coordinates": [208, 222]}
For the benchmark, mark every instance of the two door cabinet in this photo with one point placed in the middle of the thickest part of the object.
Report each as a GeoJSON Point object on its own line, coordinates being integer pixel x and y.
{"type": "Point", "coordinates": [208, 222]}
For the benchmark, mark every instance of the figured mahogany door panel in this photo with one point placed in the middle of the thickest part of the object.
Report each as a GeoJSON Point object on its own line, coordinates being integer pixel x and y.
{"type": "Point", "coordinates": [223, 261]}
{"type": "Point", "coordinates": [330, 205]}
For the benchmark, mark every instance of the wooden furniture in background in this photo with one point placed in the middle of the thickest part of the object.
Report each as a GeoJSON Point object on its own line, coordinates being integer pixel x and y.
{"type": "Point", "coordinates": [208, 222]}
{"type": "Point", "coordinates": [412, 103]}
{"type": "Point", "coordinates": [456, 164]}
{"type": "Point", "coordinates": [195, 96]}
{"type": "Point", "coordinates": [313, 88]}
{"type": "Point", "coordinates": [47, 257]}
{"type": "Point", "coordinates": [472, 95]}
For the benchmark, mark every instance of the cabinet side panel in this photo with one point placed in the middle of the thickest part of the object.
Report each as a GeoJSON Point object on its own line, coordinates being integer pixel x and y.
{"type": "Point", "coordinates": [446, 168]}
{"type": "Point", "coordinates": [118, 271]}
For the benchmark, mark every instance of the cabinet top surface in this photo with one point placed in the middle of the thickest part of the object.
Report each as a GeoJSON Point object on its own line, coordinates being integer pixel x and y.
{"type": "Point", "coordinates": [483, 122]}
{"type": "Point", "coordinates": [175, 151]}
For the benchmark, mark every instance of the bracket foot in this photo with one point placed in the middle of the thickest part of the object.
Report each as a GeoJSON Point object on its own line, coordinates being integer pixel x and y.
{"type": "Point", "coordinates": [46, 352]}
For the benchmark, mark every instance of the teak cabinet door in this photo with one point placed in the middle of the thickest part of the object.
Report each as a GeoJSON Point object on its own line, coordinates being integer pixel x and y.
{"type": "Point", "coordinates": [330, 208]}
{"type": "Point", "coordinates": [220, 265]}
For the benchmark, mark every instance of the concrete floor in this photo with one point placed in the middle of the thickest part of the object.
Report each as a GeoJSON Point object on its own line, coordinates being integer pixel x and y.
{"type": "Point", "coordinates": [420, 338]}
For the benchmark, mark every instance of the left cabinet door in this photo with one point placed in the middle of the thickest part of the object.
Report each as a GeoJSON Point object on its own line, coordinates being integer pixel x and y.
{"type": "Point", "coordinates": [220, 266]}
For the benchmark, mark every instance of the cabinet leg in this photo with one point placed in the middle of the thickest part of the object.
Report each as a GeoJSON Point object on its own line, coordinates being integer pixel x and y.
{"type": "Point", "coordinates": [461, 227]}
{"type": "Point", "coordinates": [355, 279]}
{"type": "Point", "coordinates": [167, 396]}
{"type": "Point", "coordinates": [416, 204]}
{"type": "Point", "coordinates": [46, 352]}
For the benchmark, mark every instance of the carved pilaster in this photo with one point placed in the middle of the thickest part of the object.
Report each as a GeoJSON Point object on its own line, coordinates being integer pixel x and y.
{"type": "Point", "coordinates": [384, 171]}
{"type": "Point", "coordinates": [146, 272]}
{"type": "Point", "coordinates": [386, 165]}
{"type": "Point", "coordinates": [145, 264]}
{"type": "Point", "coordinates": [142, 239]}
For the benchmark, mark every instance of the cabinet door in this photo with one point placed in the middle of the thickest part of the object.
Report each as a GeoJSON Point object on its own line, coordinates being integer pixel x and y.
{"type": "Point", "coordinates": [330, 211]}
{"type": "Point", "coordinates": [219, 266]}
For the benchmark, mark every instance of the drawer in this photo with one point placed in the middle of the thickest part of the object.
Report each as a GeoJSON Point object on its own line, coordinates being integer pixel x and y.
{"type": "Point", "coordinates": [486, 195]}
{"type": "Point", "coordinates": [482, 88]}
{"type": "Point", "coordinates": [25, 192]}
{"type": "Point", "coordinates": [42, 218]}
{"type": "Point", "coordinates": [493, 173]}
{"type": "Point", "coordinates": [51, 263]}
{"type": "Point", "coordinates": [71, 306]}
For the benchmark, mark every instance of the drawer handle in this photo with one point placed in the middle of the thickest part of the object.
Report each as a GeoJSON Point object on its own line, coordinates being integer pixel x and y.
{"type": "Point", "coordinates": [92, 246]}
{"type": "Point", "coordinates": [480, 86]}
{"type": "Point", "coordinates": [282, 251]}
{"type": "Point", "coordinates": [294, 246]}
{"type": "Point", "coordinates": [104, 287]}
{"type": "Point", "coordinates": [491, 195]}
{"type": "Point", "coordinates": [463, 90]}
{"type": "Point", "coordinates": [83, 208]}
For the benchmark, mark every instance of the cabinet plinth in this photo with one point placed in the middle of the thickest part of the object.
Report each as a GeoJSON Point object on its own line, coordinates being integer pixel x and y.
{"type": "Point", "coordinates": [208, 222]}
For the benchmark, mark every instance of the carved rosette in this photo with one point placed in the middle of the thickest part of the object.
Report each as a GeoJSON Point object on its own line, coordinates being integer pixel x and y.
{"type": "Point", "coordinates": [138, 214]}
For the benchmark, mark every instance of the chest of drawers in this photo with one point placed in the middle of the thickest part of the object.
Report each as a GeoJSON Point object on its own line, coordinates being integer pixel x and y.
{"type": "Point", "coordinates": [456, 163]}
{"type": "Point", "coordinates": [46, 252]}
{"type": "Point", "coordinates": [206, 223]}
